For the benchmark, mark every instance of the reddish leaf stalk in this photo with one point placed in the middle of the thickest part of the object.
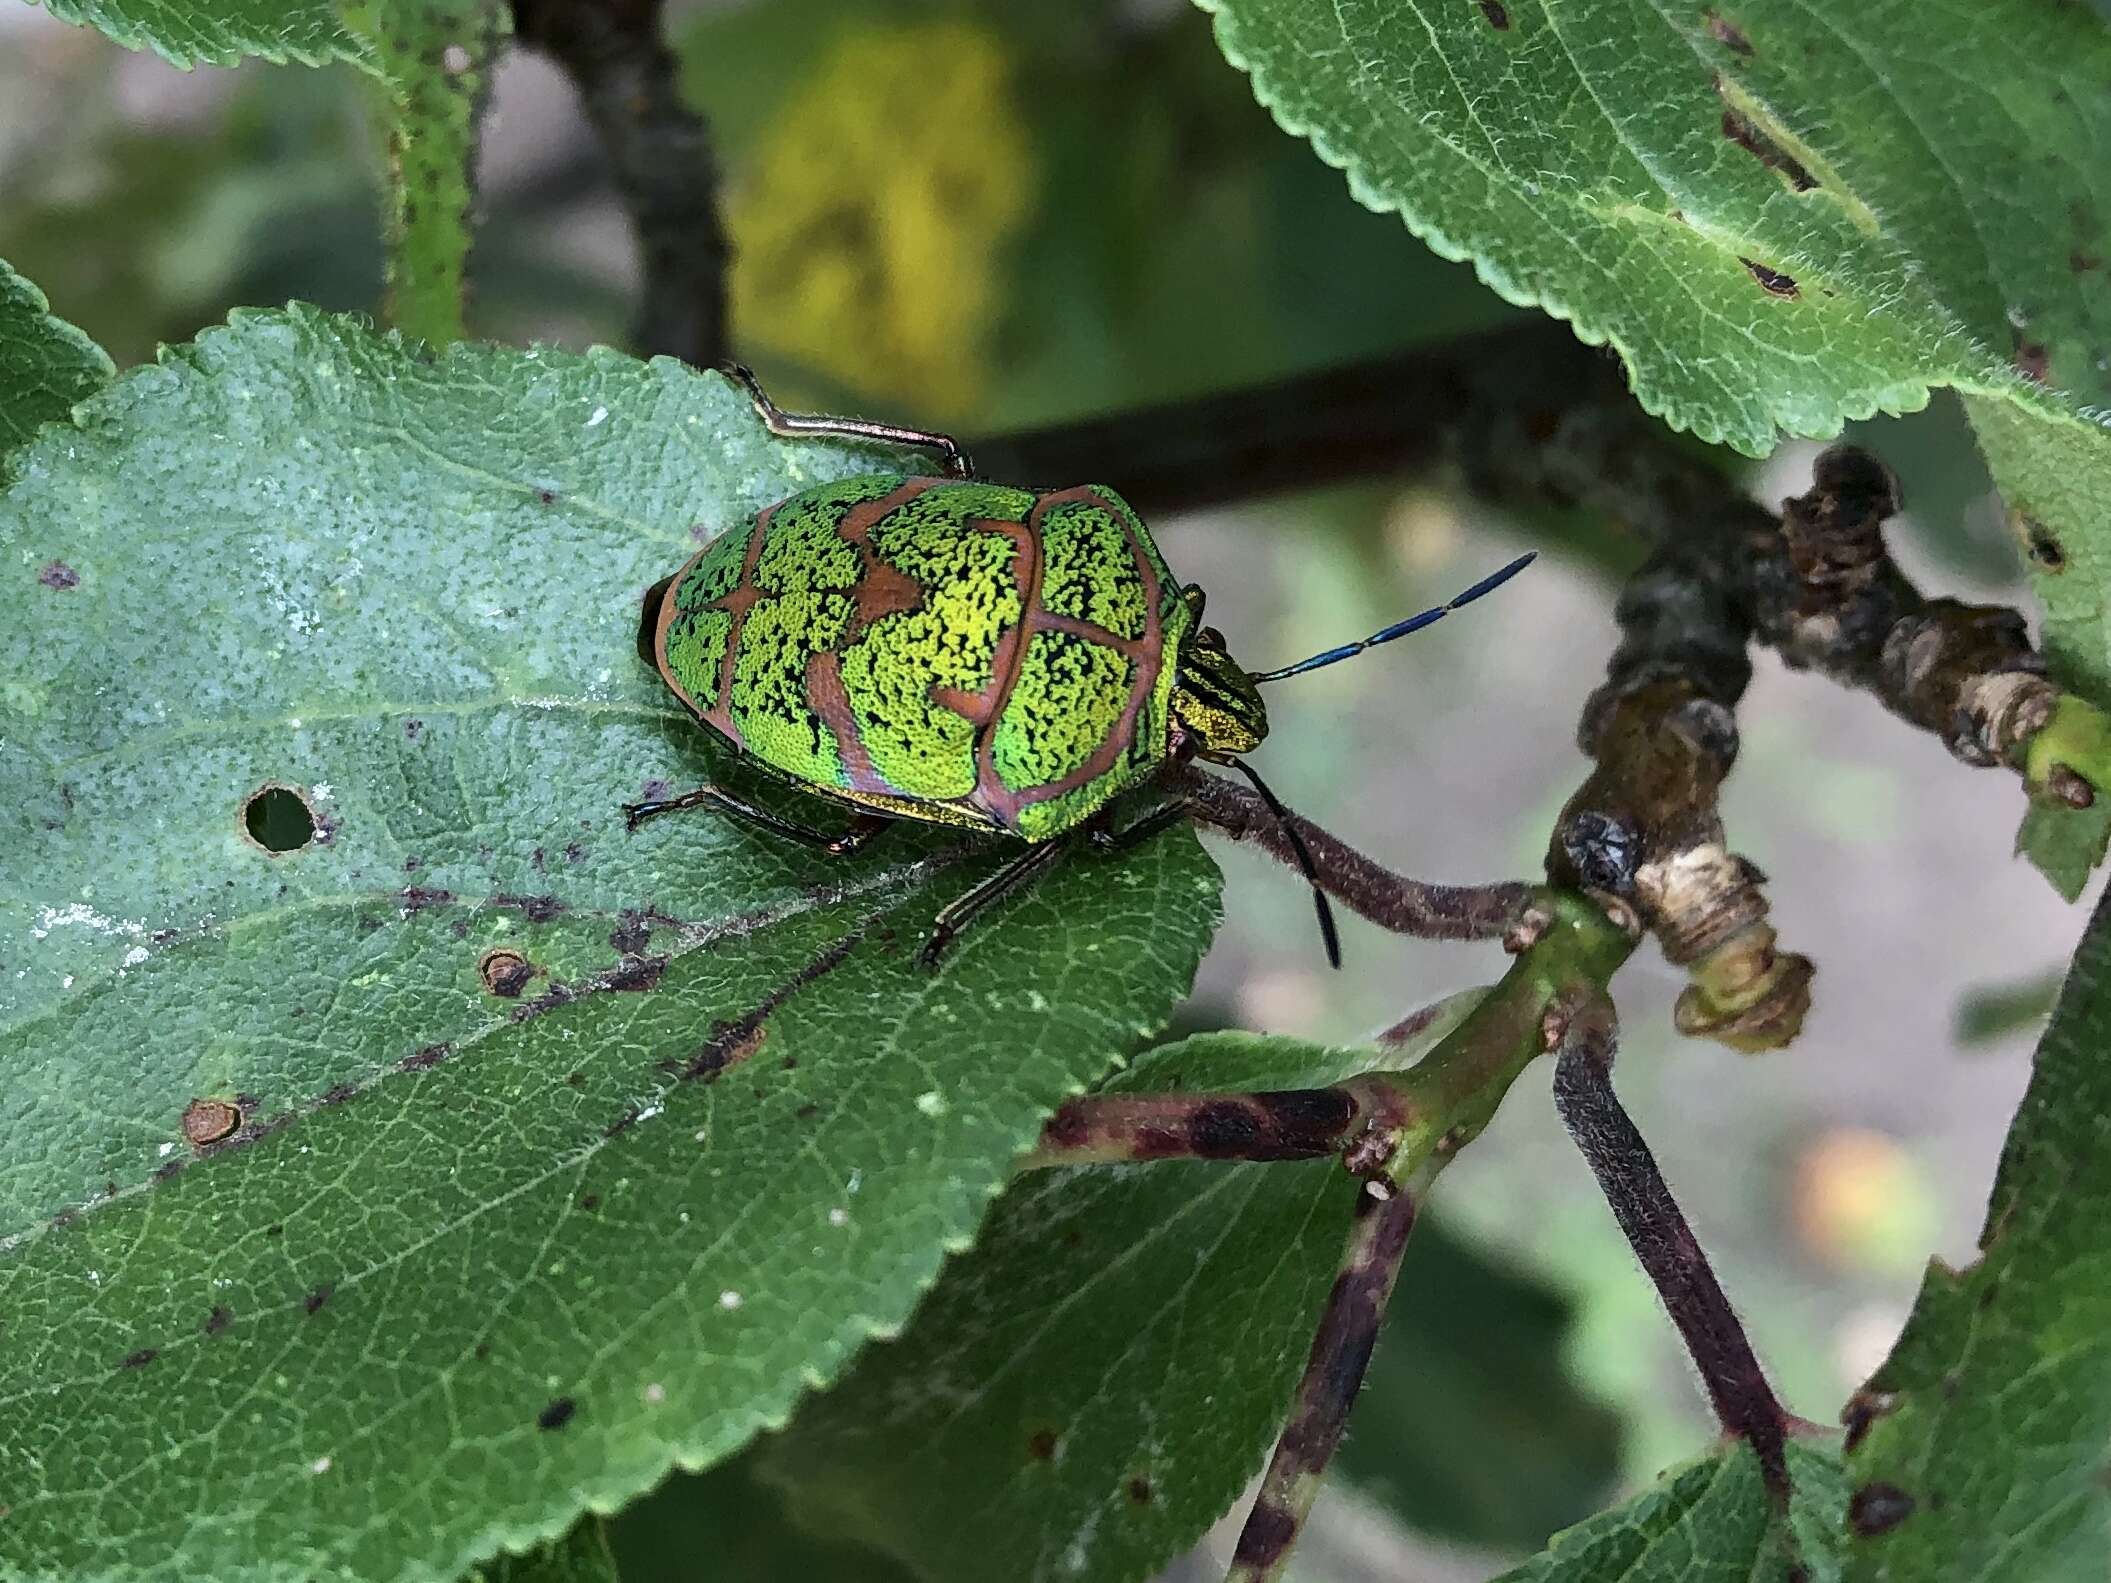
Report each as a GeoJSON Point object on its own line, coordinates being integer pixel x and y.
{"type": "Point", "coordinates": [1334, 1370]}
{"type": "Point", "coordinates": [1662, 1240]}
{"type": "Point", "coordinates": [1286, 1124]}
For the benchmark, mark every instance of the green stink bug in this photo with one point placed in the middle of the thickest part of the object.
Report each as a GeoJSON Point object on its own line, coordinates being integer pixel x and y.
{"type": "Point", "coordinates": [957, 652]}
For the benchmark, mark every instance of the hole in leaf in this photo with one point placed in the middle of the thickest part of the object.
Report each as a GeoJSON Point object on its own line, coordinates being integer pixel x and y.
{"type": "Point", "coordinates": [278, 818]}
{"type": "Point", "coordinates": [505, 971]}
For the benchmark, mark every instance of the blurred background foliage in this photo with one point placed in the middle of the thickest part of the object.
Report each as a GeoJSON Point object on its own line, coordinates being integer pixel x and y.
{"type": "Point", "coordinates": [991, 214]}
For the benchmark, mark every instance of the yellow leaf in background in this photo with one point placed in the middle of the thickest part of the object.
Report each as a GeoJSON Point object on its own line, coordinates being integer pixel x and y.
{"type": "Point", "coordinates": [869, 235]}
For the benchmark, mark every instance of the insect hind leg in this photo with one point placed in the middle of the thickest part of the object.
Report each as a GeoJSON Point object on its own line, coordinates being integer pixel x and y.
{"type": "Point", "coordinates": [807, 425]}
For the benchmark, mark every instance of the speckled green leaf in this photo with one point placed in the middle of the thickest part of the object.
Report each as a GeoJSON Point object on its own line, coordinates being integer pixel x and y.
{"type": "Point", "coordinates": [435, 61]}
{"type": "Point", "coordinates": [46, 365]}
{"type": "Point", "coordinates": [1993, 1414]}
{"type": "Point", "coordinates": [473, 1261]}
{"type": "Point", "coordinates": [1782, 214]}
{"type": "Point", "coordinates": [1089, 1388]}
{"type": "Point", "coordinates": [218, 32]}
{"type": "Point", "coordinates": [1708, 1521]}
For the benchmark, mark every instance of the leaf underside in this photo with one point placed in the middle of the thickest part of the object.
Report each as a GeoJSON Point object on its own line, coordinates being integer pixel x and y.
{"type": "Point", "coordinates": [46, 365]}
{"type": "Point", "coordinates": [564, 1155]}
{"type": "Point", "coordinates": [1993, 1413]}
{"type": "Point", "coordinates": [1708, 1521]}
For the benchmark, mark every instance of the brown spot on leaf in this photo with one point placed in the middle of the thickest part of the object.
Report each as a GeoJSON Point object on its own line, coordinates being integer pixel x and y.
{"type": "Point", "coordinates": [637, 974]}
{"type": "Point", "coordinates": [557, 1414]}
{"type": "Point", "coordinates": [314, 1301]}
{"type": "Point", "coordinates": [536, 909]}
{"type": "Point", "coordinates": [2082, 263]}
{"type": "Point", "coordinates": [2033, 360]}
{"type": "Point", "coordinates": [1726, 33]}
{"type": "Point", "coordinates": [505, 971]}
{"type": "Point", "coordinates": [1140, 1491]}
{"type": "Point", "coordinates": [2040, 543]}
{"type": "Point", "coordinates": [59, 575]}
{"type": "Point", "coordinates": [732, 1042]}
{"type": "Point", "coordinates": [218, 1320]}
{"type": "Point", "coordinates": [425, 1059]}
{"type": "Point", "coordinates": [1498, 17]}
{"type": "Point", "coordinates": [411, 728]}
{"type": "Point", "coordinates": [338, 1094]}
{"type": "Point", "coordinates": [1775, 282]}
{"type": "Point", "coordinates": [208, 1121]}
{"type": "Point", "coordinates": [1864, 1408]}
{"type": "Point", "coordinates": [1041, 1445]}
{"type": "Point", "coordinates": [139, 1359]}
{"type": "Point", "coordinates": [416, 898]}
{"type": "Point", "coordinates": [1748, 135]}
{"type": "Point", "coordinates": [1877, 1508]}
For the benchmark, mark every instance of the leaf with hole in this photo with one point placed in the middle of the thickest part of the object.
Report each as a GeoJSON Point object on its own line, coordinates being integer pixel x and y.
{"type": "Point", "coordinates": [391, 1195]}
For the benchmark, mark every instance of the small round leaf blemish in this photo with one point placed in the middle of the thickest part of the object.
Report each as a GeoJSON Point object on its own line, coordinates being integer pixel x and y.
{"type": "Point", "coordinates": [557, 1414]}
{"type": "Point", "coordinates": [278, 819]}
{"type": "Point", "coordinates": [505, 971]}
{"type": "Point", "coordinates": [208, 1121]}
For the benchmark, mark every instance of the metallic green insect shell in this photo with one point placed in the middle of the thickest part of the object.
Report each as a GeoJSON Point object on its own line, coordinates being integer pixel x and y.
{"type": "Point", "coordinates": [936, 648]}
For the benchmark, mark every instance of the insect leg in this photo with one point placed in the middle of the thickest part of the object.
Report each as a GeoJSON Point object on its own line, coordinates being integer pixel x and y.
{"type": "Point", "coordinates": [862, 827]}
{"type": "Point", "coordinates": [965, 908]}
{"type": "Point", "coordinates": [1141, 830]}
{"type": "Point", "coordinates": [793, 425]}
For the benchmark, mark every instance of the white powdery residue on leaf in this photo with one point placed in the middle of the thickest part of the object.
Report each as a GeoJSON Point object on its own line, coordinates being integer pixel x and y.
{"type": "Point", "coordinates": [730, 1300]}
{"type": "Point", "coordinates": [600, 416]}
{"type": "Point", "coordinates": [80, 915]}
{"type": "Point", "coordinates": [931, 1102]}
{"type": "Point", "coordinates": [135, 956]}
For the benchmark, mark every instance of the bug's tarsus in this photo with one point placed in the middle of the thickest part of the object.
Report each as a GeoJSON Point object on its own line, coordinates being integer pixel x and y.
{"type": "Point", "coordinates": [1400, 629]}
{"type": "Point", "coordinates": [1327, 932]}
{"type": "Point", "coordinates": [839, 843]}
{"type": "Point", "coordinates": [972, 903]}
{"type": "Point", "coordinates": [808, 425]}
{"type": "Point", "coordinates": [1108, 839]}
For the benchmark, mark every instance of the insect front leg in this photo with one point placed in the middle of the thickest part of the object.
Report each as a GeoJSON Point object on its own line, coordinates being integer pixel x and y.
{"type": "Point", "coordinates": [862, 827]}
